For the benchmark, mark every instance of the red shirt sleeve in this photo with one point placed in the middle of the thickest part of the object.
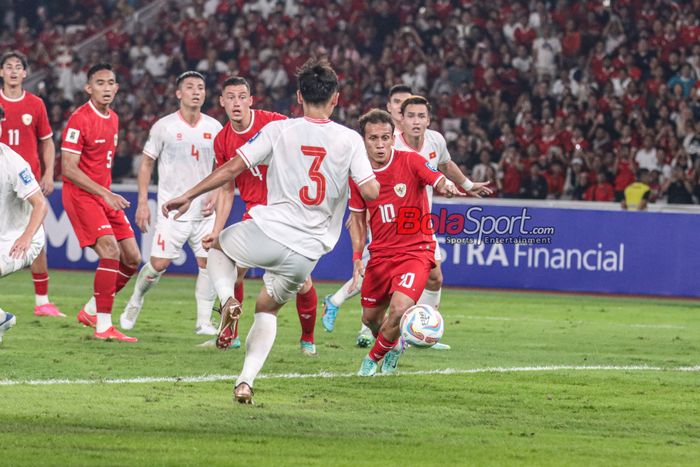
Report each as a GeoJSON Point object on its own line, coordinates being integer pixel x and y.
{"type": "Point", "coordinates": [73, 138]}
{"type": "Point", "coordinates": [219, 152]}
{"type": "Point", "coordinates": [357, 202]}
{"type": "Point", "coordinates": [43, 127]}
{"type": "Point", "coordinates": [422, 169]}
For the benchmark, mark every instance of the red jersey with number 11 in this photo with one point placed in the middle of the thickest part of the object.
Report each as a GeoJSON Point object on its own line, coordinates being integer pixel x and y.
{"type": "Point", "coordinates": [403, 183]}
{"type": "Point", "coordinates": [251, 183]}
{"type": "Point", "coordinates": [92, 135]}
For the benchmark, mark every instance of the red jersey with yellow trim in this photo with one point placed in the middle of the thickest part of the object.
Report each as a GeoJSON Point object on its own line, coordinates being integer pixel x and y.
{"type": "Point", "coordinates": [252, 183]}
{"type": "Point", "coordinates": [93, 135]}
{"type": "Point", "coordinates": [403, 183]}
{"type": "Point", "coordinates": [26, 122]}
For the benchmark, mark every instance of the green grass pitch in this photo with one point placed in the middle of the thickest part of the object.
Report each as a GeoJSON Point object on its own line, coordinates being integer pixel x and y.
{"type": "Point", "coordinates": [641, 406]}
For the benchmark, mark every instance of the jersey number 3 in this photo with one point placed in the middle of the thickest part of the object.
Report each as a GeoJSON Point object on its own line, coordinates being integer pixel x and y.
{"type": "Point", "coordinates": [316, 176]}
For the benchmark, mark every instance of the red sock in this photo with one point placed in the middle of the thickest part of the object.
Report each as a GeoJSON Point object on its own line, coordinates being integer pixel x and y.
{"type": "Point", "coordinates": [41, 283]}
{"type": "Point", "coordinates": [306, 308]}
{"type": "Point", "coordinates": [106, 284]}
{"type": "Point", "coordinates": [125, 273]}
{"type": "Point", "coordinates": [381, 346]}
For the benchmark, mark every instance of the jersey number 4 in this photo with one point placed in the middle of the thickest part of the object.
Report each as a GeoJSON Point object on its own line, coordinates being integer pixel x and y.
{"type": "Point", "coordinates": [315, 175]}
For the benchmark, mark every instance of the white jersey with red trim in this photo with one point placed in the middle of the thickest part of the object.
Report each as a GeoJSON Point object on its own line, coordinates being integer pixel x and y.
{"type": "Point", "coordinates": [185, 155]}
{"type": "Point", "coordinates": [309, 163]}
{"type": "Point", "coordinates": [17, 183]}
{"type": "Point", "coordinates": [434, 150]}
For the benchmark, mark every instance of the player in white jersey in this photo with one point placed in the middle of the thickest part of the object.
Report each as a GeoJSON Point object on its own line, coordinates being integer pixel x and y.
{"type": "Point", "coordinates": [309, 161]}
{"type": "Point", "coordinates": [23, 209]}
{"type": "Point", "coordinates": [182, 144]}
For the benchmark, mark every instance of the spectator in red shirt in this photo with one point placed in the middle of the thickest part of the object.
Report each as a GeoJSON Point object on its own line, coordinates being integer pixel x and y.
{"type": "Point", "coordinates": [602, 190]}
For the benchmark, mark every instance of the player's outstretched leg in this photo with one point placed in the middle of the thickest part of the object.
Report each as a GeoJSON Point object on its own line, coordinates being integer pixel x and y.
{"type": "Point", "coordinates": [332, 303]}
{"type": "Point", "coordinates": [307, 304]}
{"type": "Point", "coordinates": [40, 277]}
{"type": "Point", "coordinates": [205, 295]}
{"type": "Point", "coordinates": [258, 344]}
{"type": "Point", "coordinates": [7, 320]}
{"type": "Point", "coordinates": [145, 281]}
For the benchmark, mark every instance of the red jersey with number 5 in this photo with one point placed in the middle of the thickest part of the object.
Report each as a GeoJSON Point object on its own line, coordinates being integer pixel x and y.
{"type": "Point", "coordinates": [92, 135]}
{"type": "Point", "coordinates": [403, 184]}
{"type": "Point", "coordinates": [252, 183]}
{"type": "Point", "coordinates": [26, 122]}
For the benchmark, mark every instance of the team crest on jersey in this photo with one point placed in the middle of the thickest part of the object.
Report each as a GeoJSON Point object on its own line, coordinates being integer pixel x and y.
{"type": "Point", "coordinates": [432, 155]}
{"type": "Point", "coordinates": [26, 176]}
{"type": "Point", "coordinates": [400, 189]}
{"type": "Point", "coordinates": [72, 135]}
{"type": "Point", "coordinates": [27, 119]}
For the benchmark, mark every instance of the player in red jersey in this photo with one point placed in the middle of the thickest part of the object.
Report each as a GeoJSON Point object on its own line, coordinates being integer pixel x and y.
{"type": "Point", "coordinates": [244, 123]}
{"type": "Point", "coordinates": [399, 265]}
{"type": "Point", "coordinates": [96, 214]}
{"type": "Point", "coordinates": [28, 132]}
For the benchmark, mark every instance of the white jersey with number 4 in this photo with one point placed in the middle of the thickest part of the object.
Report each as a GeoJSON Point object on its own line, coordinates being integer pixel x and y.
{"type": "Point", "coordinates": [185, 156]}
{"type": "Point", "coordinates": [434, 151]}
{"type": "Point", "coordinates": [16, 185]}
{"type": "Point", "coordinates": [309, 163]}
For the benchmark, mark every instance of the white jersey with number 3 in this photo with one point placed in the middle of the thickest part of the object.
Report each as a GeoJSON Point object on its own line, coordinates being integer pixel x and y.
{"type": "Point", "coordinates": [185, 156]}
{"type": "Point", "coordinates": [309, 163]}
{"type": "Point", "coordinates": [434, 151]}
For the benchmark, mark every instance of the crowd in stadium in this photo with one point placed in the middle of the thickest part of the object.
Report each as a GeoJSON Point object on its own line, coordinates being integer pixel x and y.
{"type": "Point", "coordinates": [570, 100]}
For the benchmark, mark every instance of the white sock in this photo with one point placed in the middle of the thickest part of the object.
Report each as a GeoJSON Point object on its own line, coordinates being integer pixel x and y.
{"type": "Point", "coordinates": [91, 306]}
{"type": "Point", "coordinates": [104, 322]}
{"type": "Point", "coordinates": [430, 297]}
{"type": "Point", "coordinates": [342, 294]}
{"type": "Point", "coordinates": [41, 299]}
{"type": "Point", "coordinates": [205, 295]}
{"type": "Point", "coordinates": [148, 277]}
{"type": "Point", "coordinates": [3, 315]}
{"type": "Point", "coordinates": [222, 272]}
{"type": "Point", "coordinates": [257, 346]}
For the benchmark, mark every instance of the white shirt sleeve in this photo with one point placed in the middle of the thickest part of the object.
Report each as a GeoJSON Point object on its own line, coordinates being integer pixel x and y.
{"type": "Point", "coordinates": [443, 154]}
{"type": "Point", "coordinates": [258, 149]}
{"type": "Point", "coordinates": [360, 168]}
{"type": "Point", "coordinates": [154, 144]}
{"type": "Point", "coordinates": [23, 183]}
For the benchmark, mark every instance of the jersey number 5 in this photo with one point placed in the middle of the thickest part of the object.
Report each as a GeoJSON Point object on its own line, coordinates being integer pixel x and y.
{"type": "Point", "coordinates": [316, 176]}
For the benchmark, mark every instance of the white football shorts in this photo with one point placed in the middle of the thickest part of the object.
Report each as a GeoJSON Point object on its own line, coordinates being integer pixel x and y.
{"type": "Point", "coordinates": [170, 236]}
{"type": "Point", "coordinates": [285, 269]}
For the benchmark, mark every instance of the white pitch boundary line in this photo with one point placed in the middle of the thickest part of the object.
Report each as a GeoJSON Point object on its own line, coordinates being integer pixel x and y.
{"type": "Point", "coordinates": [447, 371]}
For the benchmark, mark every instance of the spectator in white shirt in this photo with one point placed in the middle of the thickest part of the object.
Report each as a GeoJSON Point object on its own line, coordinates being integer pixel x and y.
{"type": "Point", "coordinates": [157, 62]}
{"type": "Point", "coordinates": [646, 155]}
{"type": "Point", "coordinates": [273, 75]}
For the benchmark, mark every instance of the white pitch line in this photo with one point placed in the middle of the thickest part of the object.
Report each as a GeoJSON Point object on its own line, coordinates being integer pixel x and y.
{"type": "Point", "coordinates": [446, 371]}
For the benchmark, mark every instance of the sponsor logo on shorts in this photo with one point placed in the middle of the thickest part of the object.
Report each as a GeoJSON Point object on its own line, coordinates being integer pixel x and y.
{"type": "Point", "coordinates": [27, 119]}
{"type": "Point", "coordinates": [26, 176]}
{"type": "Point", "coordinates": [72, 135]}
{"type": "Point", "coordinates": [369, 299]}
{"type": "Point", "coordinates": [105, 226]}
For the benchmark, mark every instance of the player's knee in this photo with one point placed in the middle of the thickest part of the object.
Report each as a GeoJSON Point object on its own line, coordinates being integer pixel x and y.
{"type": "Point", "coordinates": [159, 264]}
{"type": "Point", "coordinates": [306, 286]}
{"type": "Point", "coordinates": [434, 280]}
{"type": "Point", "coordinates": [133, 260]}
{"type": "Point", "coordinates": [107, 248]}
{"type": "Point", "coordinates": [396, 311]}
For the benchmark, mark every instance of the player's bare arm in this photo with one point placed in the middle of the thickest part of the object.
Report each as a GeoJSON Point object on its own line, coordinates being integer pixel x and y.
{"type": "Point", "coordinates": [370, 190]}
{"type": "Point", "coordinates": [48, 154]}
{"type": "Point", "coordinates": [143, 212]}
{"type": "Point", "coordinates": [454, 174]}
{"type": "Point", "coordinates": [69, 166]}
{"type": "Point", "coordinates": [357, 225]}
{"type": "Point", "coordinates": [224, 203]}
{"type": "Point", "coordinates": [39, 210]}
{"type": "Point", "coordinates": [227, 172]}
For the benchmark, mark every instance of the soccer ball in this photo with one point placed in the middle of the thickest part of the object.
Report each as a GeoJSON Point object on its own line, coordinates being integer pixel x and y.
{"type": "Point", "coordinates": [422, 326]}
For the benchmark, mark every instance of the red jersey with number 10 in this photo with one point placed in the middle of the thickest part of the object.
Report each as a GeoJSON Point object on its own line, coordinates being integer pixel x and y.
{"type": "Point", "coordinates": [403, 184]}
{"type": "Point", "coordinates": [251, 183]}
{"type": "Point", "coordinates": [26, 122]}
{"type": "Point", "coordinates": [92, 135]}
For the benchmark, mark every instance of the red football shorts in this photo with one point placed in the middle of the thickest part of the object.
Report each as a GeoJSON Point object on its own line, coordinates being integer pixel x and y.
{"type": "Point", "coordinates": [92, 218]}
{"type": "Point", "coordinates": [405, 273]}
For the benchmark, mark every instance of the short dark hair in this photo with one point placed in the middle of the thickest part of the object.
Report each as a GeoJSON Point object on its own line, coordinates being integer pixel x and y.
{"type": "Point", "coordinates": [235, 81]}
{"type": "Point", "coordinates": [397, 88]}
{"type": "Point", "coordinates": [98, 67]}
{"type": "Point", "coordinates": [14, 54]}
{"type": "Point", "coordinates": [317, 81]}
{"type": "Point", "coordinates": [2, 113]}
{"type": "Point", "coordinates": [415, 100]}
{"type": "Point", "coordinates": [189, 74]}
{"type": "Point", "coordinates": [376, 116]}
